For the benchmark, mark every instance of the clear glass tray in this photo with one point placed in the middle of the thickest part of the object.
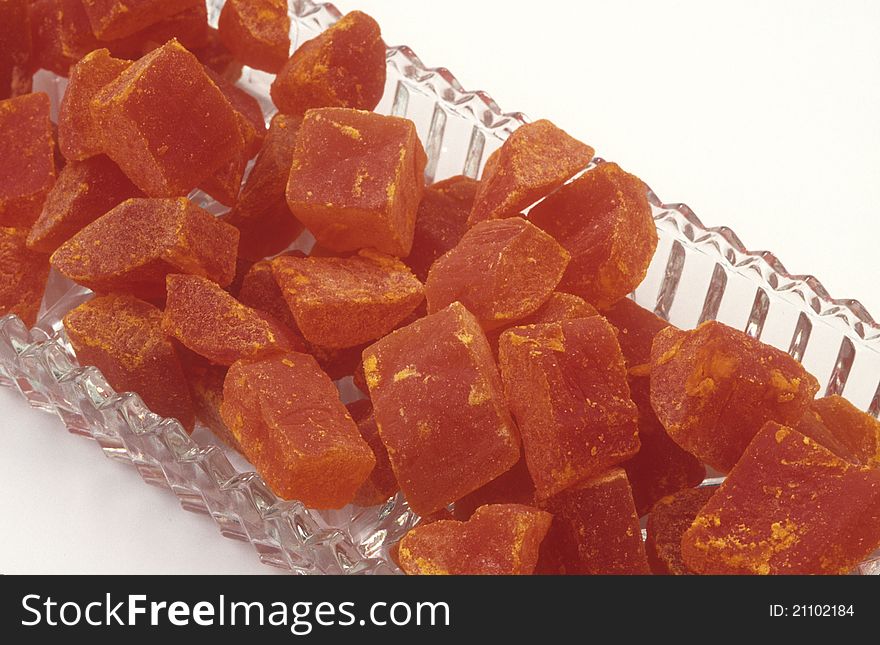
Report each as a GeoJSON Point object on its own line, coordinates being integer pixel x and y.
{"type": "Point", "coordinates": [697, 274]}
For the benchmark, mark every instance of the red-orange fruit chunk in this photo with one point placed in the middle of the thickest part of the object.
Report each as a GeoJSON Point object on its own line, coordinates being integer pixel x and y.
{"type": "Point", "coordinates": [251, 119]}
{"type": "Point", "coordinates": [714, 387]}
{"type": "Point", "coordinates": [166, 123]}
{"type": "Point", "coordinates": [356, 180]}
{"type": "Point", "coordinates": [261, 213]}
{"type": "Point", "coordinates": [440, 408]}
{"type": "Point", "coordinates": [501, 271]}
{"type": "Point", "coordinates": [441, 221]}
{"type": "Point", "coordinates": [84, 191]}
{"type": "Point", "coordinates": [533, 162]}
{"type": "Point", "coordinates": [604, 220]}
{"type": "Point", "coordinates": [595, 530]}
{"type": "Point", "coordinates": [661, 466]}
{"type": "Point", "coordinates": [381, 484]}
{"type": "Point", "coordinates": [48, 50]}
{"type": "Point", "coordinates": [670, 517]}
{"type": "Point", "coordinates": [135, 245]}
{"type": "Point", "coordinates": [122, 336]}
{"type": "Point", "coordinates": [287, 417]}
{"type": "Point", "coordinates": [845, 430]}
{"type": "Point", "coordinates": [15, 45]}
{"type": "Point", "coordinates": [205, 381]}
{"type": "Point", "coordinates": [213, 324]}
{"type": "Point", "coordinates": [27, 160]}
{"type": "Point", "coordinates": [79, 135]}
{"type": "Point", "coordinates": [23, 275]}
{"type": "Point", "coordinates": [499, 539]}
{"type": "Point", "coordinates": [789, 506]}
{"type": "Point", "coordinates": [342, 67]}
{"type": "Point", "coordinates": [512, 487]}
{"type": "Point", "coordinates": [343, 302]}
{"type": "Point", "coordinates": [257, 32]}
{"type": "Point", "coordinates": [566, 384]}
{"type": "Point", "coordinates": [189, 26]}
{"type": "Point", "coordinates": [113, 19]}
{"type": "Point", "coordinates": [260, 291]}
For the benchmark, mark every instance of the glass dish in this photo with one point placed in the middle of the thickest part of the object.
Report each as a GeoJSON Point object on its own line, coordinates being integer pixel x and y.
{"type": "Point", "coordinates": [697, 274]}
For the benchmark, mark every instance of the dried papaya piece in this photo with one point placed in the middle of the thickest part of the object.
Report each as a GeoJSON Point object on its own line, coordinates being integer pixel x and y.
{"type": "Point", "coordinates": [381, 484]}
{"type": "Point", "coordinates": [566, 384]}
{"type": "Point", "coordinates": [213, 324]}
{"type": "Point", "coordinates": [15, 45]}
{"type": "Point", "coordinates": [79, 135]}
{"type": "Point", "coordinates": [135, 245]}
{"type": "Point", "coordinates": [500, 270]}
{"type": "Point", "coordinates": [27, 163]}
{"type": "Point", "coordinates": [261, 213]}
{"type": "Point", "coordinates": [714, 387]}
{"type": "Point", "coordinates": [499, 539]}
{"type": "Point", "coordinates": [48, 51]}
{"type": "Point", "coordinates": [85, 190]}
{"type": "Point", "coordinates": [441, 221]}
{"type": "Point", "coordinates": [122, 336]}
{"type": "Point", "coordinates": [287, 417]}
{"type": "Point", "coordinates": [845, 430]}
{"type": "Point", "coordinates": [260, 291]}
{"type": "Point", "coordinates": [252, 123]}
{"type": "Point", "coordinates": [604, 220]}
{"type": "Point", "coordinates": [533, 162]}
{"type": "Point", "coordinates": [788, 506]}
{"type": "Point", "coordinates": [438, 402]}
{"type": "Point", "coordinates": [344, 302]}
{"type": "Point", "coordinates": [356, 180]}
{"type": "Point", "coordinates": [595, 530]}
{"type": "Point", "coordinates": [512, 487]}
{"type": "Point", "coordinates": [23, 275]}
{"type": "Point", "coordinates": [166, 123]}
{"type": "Point", "coordinates": [112, 19]}
{"type": "Point", "coordinates": [257, 32]}
{"type": "Point", "coordinates": [670, 517]}
{"type": "Point", "coordinates": [342, 67]}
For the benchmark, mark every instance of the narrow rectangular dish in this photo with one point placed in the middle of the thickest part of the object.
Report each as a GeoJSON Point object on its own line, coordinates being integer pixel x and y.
{"type": "Point", "coordinates": [697, 274]}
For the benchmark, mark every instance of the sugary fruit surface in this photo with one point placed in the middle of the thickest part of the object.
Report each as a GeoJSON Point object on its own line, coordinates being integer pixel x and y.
{"type": "Point", "coordinates": [604, 220]}
{"type": "Point", "coordinates": [252, 123]}
{"type": "Point", "coordinates": [23, 275]}
{"type": "Point", "coordinates": [595, 530]}
{"type": "Point", "coordinates": [381, 484]}
{"type": "Point", "coordinates": [342, 67]}
{"type": "Point", "coordinates": [356, 180]}
{"type": "Point", "coordinates": [343, 302]}
{"type": "Point", "coordinates": [15, 45]}
{"type": "Point", "coordinates": [122, 336]}
{"type": "Point", "coordinates": [113, 19]}
{"type": "Point", "coordinates": [533, 162]}
{"type": "Point", "coordinates": [27, 161]}
{"type": "Point", "coordinates": [440, 409]}
{"type": "Point", "coordinates": [48, 49]}
{"type": "Point", "coordinates": [501, 270]}
{"type": "Point", "coordinates": [499, 539]}
{"type": "Point", "coordinates": [670, 517]}
{"type": "Point", "coordinates": [261, 213]}
{"type": "Point", "coordinates": [845, 430]}
{"type": "Point", "coordinates": [83, 192]}
{"type": "Point", "coordinates": [558, 307]}
{"type": "Point", "coordinates": [135, 245]}
{"type": "Point", "coordinates": [441, 221]}
{"type": "Point", "coordinates": [166, 123]}
{"type": "Point", "coordinates": [260, 291]}
{"type": "Point", "coordinates": [789, 506]}
{"type": "Point", "coordinates": [566, 384]}
{"type": "Point", "coordinates": [287, 417]}
{"type": "Point", "coordinates": [213, 324]}
{"type": "Point", "coordinates": [257, 32]}
{"type": "Point", "coordinates": [79, 135]}
{"type": "Point", "coordinates": [714, 387]}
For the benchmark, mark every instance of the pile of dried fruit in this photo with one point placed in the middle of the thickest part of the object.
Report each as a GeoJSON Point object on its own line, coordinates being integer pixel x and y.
{"type": "Point", "coordinates": [525, 408]}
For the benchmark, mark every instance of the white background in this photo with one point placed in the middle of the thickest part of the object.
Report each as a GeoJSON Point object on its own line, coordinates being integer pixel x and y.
{"type": "Point", "coordinates": [763, 116]}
